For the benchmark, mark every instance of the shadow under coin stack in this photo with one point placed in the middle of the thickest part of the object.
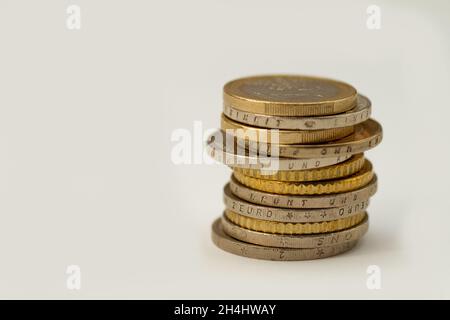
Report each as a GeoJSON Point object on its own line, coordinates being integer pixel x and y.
{"type": "Point", "coordinates": [313, 204]}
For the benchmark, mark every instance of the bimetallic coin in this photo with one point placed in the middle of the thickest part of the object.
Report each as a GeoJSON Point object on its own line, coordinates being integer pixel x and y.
{"type": "Point", "coordinates": [293, 228]}
{"type": "Point", "coordinates": [244, 131]}
{"type": "Point", "coordinates": [355, 181]}
{"type": "Point", "coordinates": [360, 113]}
{"type": "Point", "coordinates": [367, 135]}
{"type": "Point", "coordinates": [234, 155]}
{"type": "Point", "coordinates": [263, 212]}
{"type": "Point", "coordinates": [340, 170]}
{"type": "Point", "coordinates": [289, 95]}
{"type": "Point", "coordinates": [295, 241]}
{"type": "Point", "coordinates": [303, 201]}
{"type": "Point", "coordinates": [234, 246]}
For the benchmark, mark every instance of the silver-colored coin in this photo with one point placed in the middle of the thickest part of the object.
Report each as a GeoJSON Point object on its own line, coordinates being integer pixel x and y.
{"type": "Point", "coordinates": [367, 135]}
{"type": "Point", "coordinates": [303, 201]}
{"type": "Point", "coordinates": [295, 241]}
{"type": "Point", "coordinates": [354, 116]}
{"type": "Point", "coordinates": [231, 245]}
{"type": "Point", "coordinates": [234, 155]}
{"type": "Point", "coordinates": [262, 212]}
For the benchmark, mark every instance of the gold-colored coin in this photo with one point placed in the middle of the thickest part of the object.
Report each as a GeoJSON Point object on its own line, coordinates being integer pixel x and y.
{"type": "Point", "coordinates": [289, 95]}
{"type": "Point", "coordinates": [235, 128]}
{"type": "Point", "coordinates": [294, 228]}
{"type": "Point", "coordinates": [355, 181]}
{"type": "Point", "coordinates": [295, 240]}
{"type": "Point", "coordinates": [340, 170]}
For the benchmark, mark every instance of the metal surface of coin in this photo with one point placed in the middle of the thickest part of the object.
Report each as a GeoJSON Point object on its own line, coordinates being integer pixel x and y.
{"type": "Point", "coordinates": [355, 181]}
{"type": "Point", "coordinates": [303, 201]}
{"type": "Point", "coordinates": [289, 95]}
{"type": "Point", "coordinates": [367, 135]}
{"type": "Point", "coordinates": [234, 246]}
{"type": "Point", "coordinates": [252, 210]}
{"type": "Point", "coordinates": [234, 155]}
{"type": "Point", "coordinates": [295, 241]}
{"type": "Point", "coordinates": [360, 113]}
{"type": "Point", "coordinates": [294, 228]}
{"type": "Point", "coordinates": [244, 131]}
{"type": "Point", "coordinates": [340, 170]}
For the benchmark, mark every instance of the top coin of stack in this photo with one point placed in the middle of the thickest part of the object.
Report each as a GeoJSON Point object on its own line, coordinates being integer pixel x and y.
{"type": "Point", "coordinates": [312, 203]}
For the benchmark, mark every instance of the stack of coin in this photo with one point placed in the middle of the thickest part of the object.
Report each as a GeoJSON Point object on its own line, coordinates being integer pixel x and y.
{"type": "Point", "coordinates": [301, 184]}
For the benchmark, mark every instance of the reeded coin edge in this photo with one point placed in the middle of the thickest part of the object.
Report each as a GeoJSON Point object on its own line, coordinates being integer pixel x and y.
{"type": "Point", "coordinates": [295, 241]}
{"type": "Point", "coordinates": [297, 228]}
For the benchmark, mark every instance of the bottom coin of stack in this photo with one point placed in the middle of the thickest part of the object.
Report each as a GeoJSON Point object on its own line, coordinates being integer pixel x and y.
{"type": "Point", "coordinates": [308, 214]}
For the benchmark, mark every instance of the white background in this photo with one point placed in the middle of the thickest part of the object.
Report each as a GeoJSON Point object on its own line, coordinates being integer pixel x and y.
{"type": "Point", "coordinates": [86, 118]}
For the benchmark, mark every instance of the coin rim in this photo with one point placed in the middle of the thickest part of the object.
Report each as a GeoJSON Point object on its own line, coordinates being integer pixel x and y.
{"type": "Point", "coordinates": [283, 163]}
{"type": "Point", "coordinates": [285, 136]}
{"type": "Point", "coordinates": [370, 129]}
{"type": "Point", "coordinates": [279, 214]}
{"type": "Point", "coordinates": [318, 187]}
{"type": "Point", "coordinates": [235, 98]}
{"type": "Point", "coordinates": [248, 250]}
{"type": "Point", "coordinates": [313, 201]}
{"type": "Point", "coordinates": [361, 111]}
{"type": "Point", "coordinates": [335, 171]}
{"type": "Point", "coordinates": [293, 241]}
{"type": "Point", "coordinates": [332, 225]}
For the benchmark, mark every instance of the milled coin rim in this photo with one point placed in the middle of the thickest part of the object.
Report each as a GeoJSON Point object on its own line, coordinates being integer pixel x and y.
{"type": "Point", "coordinates": [295, 241]}
{"type": "Point", "coordinates": [336, 171]}
{"type": "Point", "coordinates": [303, 201]}
{"type": "Point", "coordinates": [248, 250]}
{"type": "Point", "coordinates": [296, 228]}
{"type": "Point", "coordinates": [319, 187]}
